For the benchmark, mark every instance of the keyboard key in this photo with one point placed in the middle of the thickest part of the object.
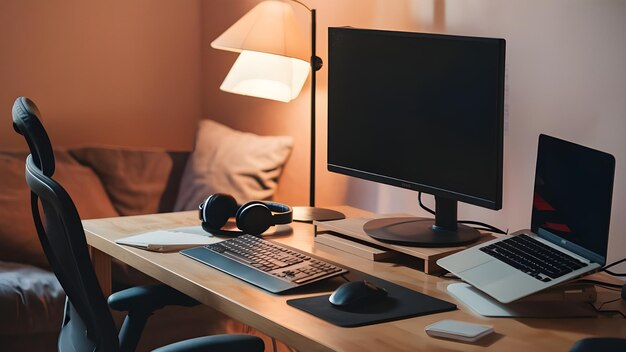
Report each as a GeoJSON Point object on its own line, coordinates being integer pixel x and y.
{"type": "Point", "coordinates": [274, 260]}
{"type": "Point", "coordinates": [533, 257]}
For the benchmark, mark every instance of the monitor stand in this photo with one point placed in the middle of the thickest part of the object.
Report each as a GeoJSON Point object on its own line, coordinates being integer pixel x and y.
{"type": "Point", "coordinates": [443, 231]}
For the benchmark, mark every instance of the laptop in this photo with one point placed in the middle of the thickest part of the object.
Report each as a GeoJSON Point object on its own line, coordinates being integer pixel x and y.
{"type": "Point", "coordinates": [569, 231]}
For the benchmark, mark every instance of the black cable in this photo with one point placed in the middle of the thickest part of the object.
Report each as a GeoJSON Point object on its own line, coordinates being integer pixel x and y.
{"type": "Point", "coordinates": [601, 283]}
{"type": "Point", "coordinates": [599, 310]}
{"type": "Point", "coordinates": [485, 227]}
{"type": "Point", "coordinates": [609, 286]}
{"type": "Point", "coordinates": [606, 267]}
{"type": "Point", "coordinates": [422, 205]}
{"type": "Point", "coordinates": [607, 302]}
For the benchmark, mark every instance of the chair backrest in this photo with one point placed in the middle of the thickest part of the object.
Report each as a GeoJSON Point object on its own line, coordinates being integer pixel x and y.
{"type": "Point", "coordinates": [88, 325]}
{"type": "Point", "coordinates": [26, 121]}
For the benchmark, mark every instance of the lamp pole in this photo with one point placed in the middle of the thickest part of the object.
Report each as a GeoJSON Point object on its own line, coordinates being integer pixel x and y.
{"type": "Point", "coordinates": [311, 213]}
{"type": "Point", "coordinates": [316, 64]}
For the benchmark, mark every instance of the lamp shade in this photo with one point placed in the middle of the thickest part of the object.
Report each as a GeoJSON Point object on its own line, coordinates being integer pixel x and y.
{"type": "Point", "coordinates": [270, 27]}
{"type": "Point", "coordinates": [266, 76]}
{"type": "Point", "coordinates": [273, 63]}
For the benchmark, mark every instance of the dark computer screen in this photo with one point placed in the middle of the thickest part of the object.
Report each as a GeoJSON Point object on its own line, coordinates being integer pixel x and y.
{"type": "Point", "coordinates": [573, 194]}
{"type": "Point", "coordinates": [418, 111]}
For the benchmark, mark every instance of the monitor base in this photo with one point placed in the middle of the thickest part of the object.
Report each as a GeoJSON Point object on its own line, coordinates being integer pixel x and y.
{"type": "Point", "coordinates": [310, 214]}
{"type": "Point", "coordinates": [412, 231]}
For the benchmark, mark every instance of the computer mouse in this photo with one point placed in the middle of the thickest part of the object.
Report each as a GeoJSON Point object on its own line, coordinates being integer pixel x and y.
{"type": "Point", "coordinates": [357, 293]}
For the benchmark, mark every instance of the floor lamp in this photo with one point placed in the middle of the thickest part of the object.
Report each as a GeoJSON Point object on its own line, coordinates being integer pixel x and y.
{"type": "Point", "coordinates": [273, 64]}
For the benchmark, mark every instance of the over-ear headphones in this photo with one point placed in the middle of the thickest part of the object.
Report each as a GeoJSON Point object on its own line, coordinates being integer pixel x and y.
{"type": "Point", "coordinates": [252, 218]}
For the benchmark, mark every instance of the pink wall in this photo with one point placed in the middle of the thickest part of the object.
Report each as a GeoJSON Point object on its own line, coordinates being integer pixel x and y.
{"type": "Point", "coordinates": [104, 72]}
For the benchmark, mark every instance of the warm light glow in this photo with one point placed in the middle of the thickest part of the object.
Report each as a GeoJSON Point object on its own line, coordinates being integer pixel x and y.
{"type": "Point", "coordinates": [270, 27]}
{"type": "Point", "coordinates": [266, 76]}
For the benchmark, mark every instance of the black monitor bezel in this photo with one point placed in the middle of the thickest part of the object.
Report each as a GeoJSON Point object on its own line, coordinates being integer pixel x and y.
{"type": "Point", "coordinates": [495, 203]}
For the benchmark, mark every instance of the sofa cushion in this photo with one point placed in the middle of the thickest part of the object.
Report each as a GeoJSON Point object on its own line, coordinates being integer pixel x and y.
{"type": "Point", "coordinates": [244, 165]}
{"type": "Point", "coordinates": [18, 237]}
{"type": "Point", "coordinates": [138, 181]}
{"type": "Point", "coordinates": [31, 300]}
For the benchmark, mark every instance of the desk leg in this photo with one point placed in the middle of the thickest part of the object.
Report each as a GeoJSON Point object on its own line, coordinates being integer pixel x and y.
{"type": "Point", "coordinates": [102, 266]}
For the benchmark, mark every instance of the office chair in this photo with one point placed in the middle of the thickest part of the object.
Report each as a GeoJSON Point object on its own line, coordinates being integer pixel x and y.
{"type": "Point", "coordinates": [88, 324]}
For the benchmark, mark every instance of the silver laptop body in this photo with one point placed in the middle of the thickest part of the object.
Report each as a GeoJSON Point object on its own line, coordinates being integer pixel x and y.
{"type": "Point", "coordinates": [571, 214]}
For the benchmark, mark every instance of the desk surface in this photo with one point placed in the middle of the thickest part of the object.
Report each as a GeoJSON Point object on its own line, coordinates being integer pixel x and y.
{"type": "Point", "coordinates": [271, 314]}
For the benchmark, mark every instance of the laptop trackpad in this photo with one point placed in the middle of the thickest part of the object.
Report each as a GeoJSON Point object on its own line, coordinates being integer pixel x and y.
{"type": "Point", "coordinates": [487, 274]}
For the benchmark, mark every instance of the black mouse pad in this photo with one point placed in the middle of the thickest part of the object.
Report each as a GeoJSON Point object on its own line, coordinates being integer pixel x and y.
{"type": "Point", "coordinates": [401, 303]}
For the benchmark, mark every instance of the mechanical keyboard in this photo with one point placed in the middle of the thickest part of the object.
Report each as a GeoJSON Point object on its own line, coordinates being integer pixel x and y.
{"type": "Point", "coordinates": [263, 263]}
{"type": "Point", "coordinates": [533, 257]}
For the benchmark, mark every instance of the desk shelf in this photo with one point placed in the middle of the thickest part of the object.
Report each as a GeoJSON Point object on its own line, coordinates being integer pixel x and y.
{"type": "Point", "coordinates": [353, 228]}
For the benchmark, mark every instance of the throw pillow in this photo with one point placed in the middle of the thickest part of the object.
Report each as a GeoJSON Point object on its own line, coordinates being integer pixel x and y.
{"type": "Point", "coordinates": [18, 237]}
{"type": "Point", "coordinates": [244, 165]}
{"type": "Point", "coordinates": [135, 179]}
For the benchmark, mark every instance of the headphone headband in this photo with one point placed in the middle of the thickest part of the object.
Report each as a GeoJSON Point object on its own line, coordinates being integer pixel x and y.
{"type": "Point", "coordinates": [282, 213]}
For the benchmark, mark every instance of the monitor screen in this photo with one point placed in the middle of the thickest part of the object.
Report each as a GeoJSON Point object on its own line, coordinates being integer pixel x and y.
{"type": "Point", "coordinates": [418, 111]}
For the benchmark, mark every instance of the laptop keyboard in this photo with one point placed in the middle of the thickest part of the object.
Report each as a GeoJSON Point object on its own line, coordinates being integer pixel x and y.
{"type": "Point", "coordinates": [533, 257]}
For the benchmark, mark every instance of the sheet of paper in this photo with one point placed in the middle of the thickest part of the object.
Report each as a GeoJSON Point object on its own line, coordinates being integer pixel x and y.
{"type": "Point", "coordinates": [169, 240]}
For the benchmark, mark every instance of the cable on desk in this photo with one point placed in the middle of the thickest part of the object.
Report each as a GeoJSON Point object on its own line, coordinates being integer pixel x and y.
{"type": "Point", "coordinates": [482, 225]}
{"type": "Point", "coordinates": [606, 285]}
{"type": "Point", "coordinates": [599, 310]}
{"type": "Point", "coordinates": [606, 267]}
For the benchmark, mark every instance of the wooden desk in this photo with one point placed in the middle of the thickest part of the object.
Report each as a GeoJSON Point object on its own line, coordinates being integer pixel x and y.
{"type": "Point", "coordinates": [269, 313]}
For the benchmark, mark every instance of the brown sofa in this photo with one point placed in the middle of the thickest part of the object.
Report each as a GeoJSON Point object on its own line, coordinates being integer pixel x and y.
{"type": "Point", "coordinates": [107, 182]}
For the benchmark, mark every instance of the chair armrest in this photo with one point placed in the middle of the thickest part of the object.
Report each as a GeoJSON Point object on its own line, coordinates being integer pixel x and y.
{"type": "Point", "coordinates": [217, 343]}
{"type": "Point", "coordinates": [149, 298]}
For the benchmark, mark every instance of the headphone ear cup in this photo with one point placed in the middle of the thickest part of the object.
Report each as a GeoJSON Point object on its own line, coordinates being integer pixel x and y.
{"type": "Point", "coordinates": [218, 208]}
{"type": "Point", "coordinates": [254, 218]}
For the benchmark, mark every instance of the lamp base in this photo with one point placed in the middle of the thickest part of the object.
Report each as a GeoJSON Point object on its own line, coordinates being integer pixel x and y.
{"type": "Point", "coordinates": [310, 214]}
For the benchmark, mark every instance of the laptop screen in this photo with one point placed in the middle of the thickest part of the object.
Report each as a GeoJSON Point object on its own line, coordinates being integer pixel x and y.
{"type": "Point", "coordinates": [572, 196]}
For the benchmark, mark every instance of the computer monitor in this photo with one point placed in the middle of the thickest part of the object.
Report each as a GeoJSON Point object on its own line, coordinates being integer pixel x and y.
{"type": "Point", "coordinates": [422, 112]}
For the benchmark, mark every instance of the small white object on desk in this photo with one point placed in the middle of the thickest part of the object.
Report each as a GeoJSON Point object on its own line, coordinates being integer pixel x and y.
{"type": "Point", "coordinates": [168, 240]}
{"type": "Point", "coordinates": [458, 330]}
